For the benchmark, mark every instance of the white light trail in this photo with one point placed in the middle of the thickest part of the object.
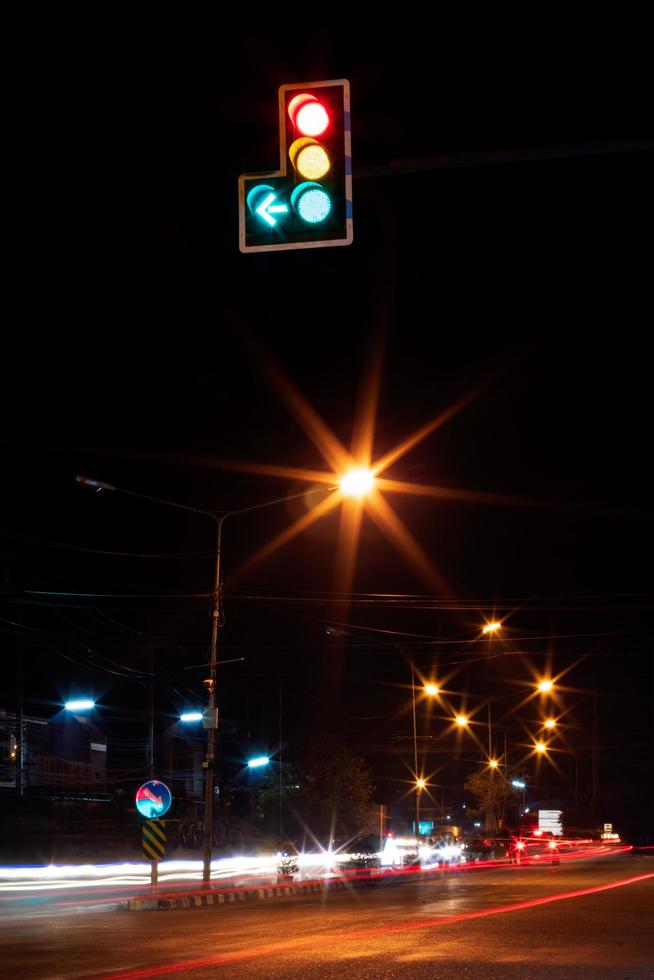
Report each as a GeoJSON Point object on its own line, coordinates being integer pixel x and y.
{"type": "Point", "coordinates": [51, 877]}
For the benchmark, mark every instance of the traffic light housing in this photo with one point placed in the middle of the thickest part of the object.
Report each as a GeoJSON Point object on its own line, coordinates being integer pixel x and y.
{"type": "Point", "coordinates": [307, 203]}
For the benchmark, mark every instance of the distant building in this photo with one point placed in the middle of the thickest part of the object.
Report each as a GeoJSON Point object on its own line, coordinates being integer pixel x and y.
{"type": "Point", "coordinates": [65, 752]}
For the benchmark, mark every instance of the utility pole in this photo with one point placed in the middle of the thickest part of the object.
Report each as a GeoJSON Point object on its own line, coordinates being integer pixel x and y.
{"type": "Point", "coordinates": [20, 722]}
{"type": "Point", "coordinates": [595, 746]}
{"type": "Point", "coordinates": [279, 756]}
{"type": "Point", "coordinates": [211, 714]}
{"type": "Point", "coordinates": [210, 719]}
{"type": "Point", "coordinates": [151, 751]}
{"type": "Point", "coordinates": [490, 816]}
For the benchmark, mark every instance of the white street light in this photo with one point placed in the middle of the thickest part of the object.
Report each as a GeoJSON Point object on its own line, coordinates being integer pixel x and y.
{"type": "Point", "coordinates": [191, 716]}
{"type": "Point", "coordinates": [84, 704]}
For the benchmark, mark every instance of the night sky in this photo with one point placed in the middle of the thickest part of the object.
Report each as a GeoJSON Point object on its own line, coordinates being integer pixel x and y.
{"type": "Point", "coordinates": [129, 354]}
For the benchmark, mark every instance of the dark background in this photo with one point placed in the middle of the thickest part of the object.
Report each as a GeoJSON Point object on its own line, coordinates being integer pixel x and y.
{"type": "Point", "coordinates": [126, 357]}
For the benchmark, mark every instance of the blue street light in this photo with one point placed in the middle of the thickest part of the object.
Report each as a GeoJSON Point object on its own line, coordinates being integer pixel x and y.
{"type": "Point", "coordinates": [518, 784]}
{"type": "Point", "coordinates": [261, 760]}
{"type": "Point", "coordinates": [191, 716]}
{"type": "Point", "coordinates": [83, 704]}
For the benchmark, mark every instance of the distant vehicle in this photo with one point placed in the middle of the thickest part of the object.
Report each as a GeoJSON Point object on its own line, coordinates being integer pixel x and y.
{"type": "Point", "coordinates": [537, 849]}
{"type": "Point", "coordinates": [481, 848]}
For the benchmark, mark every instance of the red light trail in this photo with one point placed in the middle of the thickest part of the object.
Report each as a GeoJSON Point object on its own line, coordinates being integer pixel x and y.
{"type": "Point", "coordinates": [277, 948]}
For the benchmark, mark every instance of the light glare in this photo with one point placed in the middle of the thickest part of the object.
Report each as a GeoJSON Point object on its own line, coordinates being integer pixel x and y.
{"type": "Point", "coordinates": [432, 689]}
{"type": "Point", "coordinates": [492, 627]}
{"type": "Point", "coordinates": [311, 203]}
{"type": "Point", "coordinates": [309, 158]}
{"type": "Point", "coordinates": [312, 119]}
{"type": "Point", "coordinates": [260, 760]}
{"type": "Point", "coordinates": [357, 483]}
{"type": "Point", "coordinates": [545, 686]}
{"type": "Point", "coordinates": [191, 716]}
{"type": "Point", "coordinates": [84, 704]}
{"type": "Point", "coordinates": [461, 721]}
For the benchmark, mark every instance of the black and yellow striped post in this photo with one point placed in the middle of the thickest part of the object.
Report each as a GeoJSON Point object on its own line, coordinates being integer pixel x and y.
{"type": "Point", "coordinates": [154, 846]}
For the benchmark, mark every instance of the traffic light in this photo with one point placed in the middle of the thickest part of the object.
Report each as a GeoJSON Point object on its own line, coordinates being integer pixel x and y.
{"type": "Point", "coordinates": [307, 203]}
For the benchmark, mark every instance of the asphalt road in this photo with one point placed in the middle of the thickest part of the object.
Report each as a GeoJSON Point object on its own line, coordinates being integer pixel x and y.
{"type": "Point", "coordinates": [452, 926]}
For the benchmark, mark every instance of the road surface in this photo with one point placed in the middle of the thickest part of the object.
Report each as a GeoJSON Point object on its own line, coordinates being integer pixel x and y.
{"type": "Point", "coordinates": [526, 922]}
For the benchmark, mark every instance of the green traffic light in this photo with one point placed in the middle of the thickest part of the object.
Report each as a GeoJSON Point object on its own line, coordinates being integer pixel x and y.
{"type": "Point", "coordinates": [311, 202]}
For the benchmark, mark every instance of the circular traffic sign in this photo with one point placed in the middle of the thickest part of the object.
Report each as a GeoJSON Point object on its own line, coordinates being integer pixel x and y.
{"type": "Point", "coordinates": [153, 799]}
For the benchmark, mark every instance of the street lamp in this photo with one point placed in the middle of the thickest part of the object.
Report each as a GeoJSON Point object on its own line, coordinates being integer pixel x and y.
{"type": "Point", "coordinates": [550, 723]}
{"type": "Point", "coordinates": [521, 785]}
{"type": "Point", "coordinates": [191, 716]}
{"type": "Point", "coordinates": [493, 764]}
{"type": "Point", "coordinates": [258, 762]}
{"type": "Point", "coordinates": [210, 717]}
{"type": "Point", "coordinates": [540, 747]}
{"type": "Point", "coordinates": [415, 751]}
{"type": "Point", "coordinates": [432, 690]}
{"type": "Point", "coordinates": [545, 686]}
{"type": "Point", "coordinates": [493, 627]}
{"type": "Point", "coordinates": [461, 721]}
{"type": "Point", "coordinates": [357, 482]}
{"type": "Point", "coordinates": [83, 704]}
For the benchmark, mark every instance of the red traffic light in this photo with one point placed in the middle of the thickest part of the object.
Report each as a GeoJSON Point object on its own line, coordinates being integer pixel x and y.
{"type": "Point", "coordinates": [308, 115]}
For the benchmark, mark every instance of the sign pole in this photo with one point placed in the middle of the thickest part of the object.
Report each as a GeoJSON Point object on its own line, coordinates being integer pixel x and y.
{"type": "Point", "coordinates": [154, 847]}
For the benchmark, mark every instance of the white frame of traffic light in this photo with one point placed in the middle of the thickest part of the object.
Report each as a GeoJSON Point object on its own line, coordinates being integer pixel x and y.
{"type": "Point", "coordinates": [283, 172]}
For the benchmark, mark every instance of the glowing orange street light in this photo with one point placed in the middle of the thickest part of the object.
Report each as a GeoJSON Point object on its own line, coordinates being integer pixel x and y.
{"type": "Point", "coordinates": [550, 723]}
{"type": "Point", "coordinates": [357, 482]}
{"type": "Point", "coordinates": [545, 686]}
{"type": "Point", "coordinates": [540, 747]}
{"type": "Point", "coordinates": [492, 628]}
{"type": "Point", "coordinates": [421, 783]}
{"type": "Point", "coordinates": [432, 690]}
{"type": "Point", "coordinates": [493, 763]}
{"type": "Point", "coordinates": [461, 721]}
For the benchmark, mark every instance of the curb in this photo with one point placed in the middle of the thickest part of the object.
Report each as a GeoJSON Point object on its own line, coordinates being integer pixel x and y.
{"type": "Point", "coordinates": [257, 893]}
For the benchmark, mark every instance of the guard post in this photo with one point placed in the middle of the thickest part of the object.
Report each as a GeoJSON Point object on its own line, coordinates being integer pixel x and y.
{"type": "Point", "coordinates": [154, 847]}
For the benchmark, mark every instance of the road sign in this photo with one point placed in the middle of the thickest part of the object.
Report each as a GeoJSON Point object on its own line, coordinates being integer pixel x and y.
{"type": "Point", "coordinates": [153, 799]}
{"type": "Point", "coordinates": [154, 840]}
{"type": "Point", "coordinates": [550, 820]}
{"type": "Point", "coordinates": [608, 827]}
{"type": "Point", "coordinates": [307, 203]}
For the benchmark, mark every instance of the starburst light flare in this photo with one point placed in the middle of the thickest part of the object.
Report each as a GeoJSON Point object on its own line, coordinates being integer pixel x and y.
{"type": "Point", "coordinates": [354, 480]}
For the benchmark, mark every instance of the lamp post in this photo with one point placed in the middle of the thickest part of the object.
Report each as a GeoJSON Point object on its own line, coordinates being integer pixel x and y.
{"type": "Point", "coordinates": [521, 785]}
{"type": "Point", "coordinates": [211, 712]}
{"type": "Point", "coordinates": [432, 690]}
{"type": "Point", "coordinates": [418, 786]}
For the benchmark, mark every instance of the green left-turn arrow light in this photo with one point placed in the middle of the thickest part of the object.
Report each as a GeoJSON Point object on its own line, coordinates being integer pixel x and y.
{"type": "Point", "coordinates": [262, 203]}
